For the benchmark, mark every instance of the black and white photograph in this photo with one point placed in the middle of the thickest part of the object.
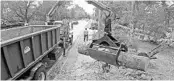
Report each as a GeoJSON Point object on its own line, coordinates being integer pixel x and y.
{"type": "Point", "coordinates": [87, 40]}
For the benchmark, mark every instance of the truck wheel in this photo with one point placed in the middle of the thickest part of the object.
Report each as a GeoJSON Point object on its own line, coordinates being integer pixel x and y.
{"type": "Point", "coordinates": [40, 74]}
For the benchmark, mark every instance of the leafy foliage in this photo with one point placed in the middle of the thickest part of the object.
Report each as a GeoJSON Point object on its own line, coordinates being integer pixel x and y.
{"type": "Point", "coordinates": [15, 11]}
{"type": "Point", "coordinates": [150, 16]}
{"type": "Point", "coordinates": [19, 10]}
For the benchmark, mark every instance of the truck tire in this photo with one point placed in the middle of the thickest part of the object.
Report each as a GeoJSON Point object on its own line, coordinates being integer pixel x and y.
{"type": "Point", "coordinates": [40, 74]}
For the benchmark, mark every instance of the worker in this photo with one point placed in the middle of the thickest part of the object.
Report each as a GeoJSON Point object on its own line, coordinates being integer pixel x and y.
{"type": "Point", "coordinates": [71, 34]}
{"type": "Point", "coordinates": [85, 35]}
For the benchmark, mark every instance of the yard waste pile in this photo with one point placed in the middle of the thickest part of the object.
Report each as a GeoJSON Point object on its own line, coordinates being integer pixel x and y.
{"type": "Point", "coordinates": [91, 69]}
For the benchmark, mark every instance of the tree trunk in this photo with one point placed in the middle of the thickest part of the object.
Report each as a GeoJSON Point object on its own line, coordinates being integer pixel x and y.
{"type": "Point", "coordinates": [128, 60]}
{"type": "Point", "coordinates": [134, 61]}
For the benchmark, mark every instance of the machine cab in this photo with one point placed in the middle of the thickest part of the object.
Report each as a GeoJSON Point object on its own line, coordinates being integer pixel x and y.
{"type": "Point", "coordinates": [60, 24]}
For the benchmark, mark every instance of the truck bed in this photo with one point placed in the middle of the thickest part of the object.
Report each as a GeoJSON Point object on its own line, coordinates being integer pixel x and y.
{"type": "Point", "coordinates": [22, 48]}
{"type": "Point", "coordinates": [7, 34]}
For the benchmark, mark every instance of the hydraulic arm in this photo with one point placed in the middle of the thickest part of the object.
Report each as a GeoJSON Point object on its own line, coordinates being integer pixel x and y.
{"type": "Point", "coordinates": [50, 13]}
{"type": "Point", "coordinates": [101, 6]}
{"type": "Point", "coordinates": [107, 39]}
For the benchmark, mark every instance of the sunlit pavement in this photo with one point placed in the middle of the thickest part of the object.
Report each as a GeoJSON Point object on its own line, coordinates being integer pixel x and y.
{"type": "Point", "coordinates": [78, 38]}
{"type": "Point", "coordinates": [73, 58]}
{"type": "Point", "coordinates": [77, 66]}
{"type": "Point", "coordinates": [75, 61]}
{"type": "Point", "coordinates": [78, 29]}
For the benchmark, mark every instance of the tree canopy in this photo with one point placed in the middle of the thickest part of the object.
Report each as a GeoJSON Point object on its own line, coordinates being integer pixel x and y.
{"type": "Point", "coordinates": [26, 11]}
{"type": "Point", "coordinates": [153, 16]}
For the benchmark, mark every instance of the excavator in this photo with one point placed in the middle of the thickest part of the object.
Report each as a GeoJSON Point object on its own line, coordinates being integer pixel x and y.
{"type": "Point", "coordinates": [111, 54]}
{"type": "Point", "coordinates": [107, 42]}
{"type": "Point", "coordinates": [110, 50]}
{"type": "Point", "coordinates": [107, 39]}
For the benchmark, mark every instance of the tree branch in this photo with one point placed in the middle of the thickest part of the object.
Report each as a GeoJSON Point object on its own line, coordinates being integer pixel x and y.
{"type": "Point", "coordinates": [19, 15]}
{"type": "Point", "coordinates": [20, 9]}
{"type": "Point", "coordinates": [33, 13]}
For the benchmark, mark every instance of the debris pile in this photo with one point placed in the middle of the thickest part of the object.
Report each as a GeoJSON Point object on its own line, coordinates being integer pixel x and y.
{"type": "Point", "coordinates": [93, 71]}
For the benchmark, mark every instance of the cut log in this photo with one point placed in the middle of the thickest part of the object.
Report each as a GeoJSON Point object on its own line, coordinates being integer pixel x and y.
{"type": "Point", "coordinates": [127, 60]}
{"type": "Point", "coordinates": [134, 61]}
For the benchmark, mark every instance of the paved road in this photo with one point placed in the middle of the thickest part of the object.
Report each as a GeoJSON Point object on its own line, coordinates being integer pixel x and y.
{"type": "Point", "coordinates": [66, 63]}
{"type": "Point", "coordinates": [72, 53]}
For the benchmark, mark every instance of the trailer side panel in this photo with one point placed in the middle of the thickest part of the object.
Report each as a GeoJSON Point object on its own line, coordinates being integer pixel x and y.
{"type": "Point", "coordinates": [21, 53]}
{"type": "Point", "coordinates": [4, 69]}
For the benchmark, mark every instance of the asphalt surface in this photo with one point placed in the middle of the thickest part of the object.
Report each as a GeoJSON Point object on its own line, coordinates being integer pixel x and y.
{"type": "Point", "coordinates": [66, 63]}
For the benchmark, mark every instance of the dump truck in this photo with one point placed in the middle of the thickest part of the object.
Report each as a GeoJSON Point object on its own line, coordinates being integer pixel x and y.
{"type": "Point", "coordinates": [27, 51]}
